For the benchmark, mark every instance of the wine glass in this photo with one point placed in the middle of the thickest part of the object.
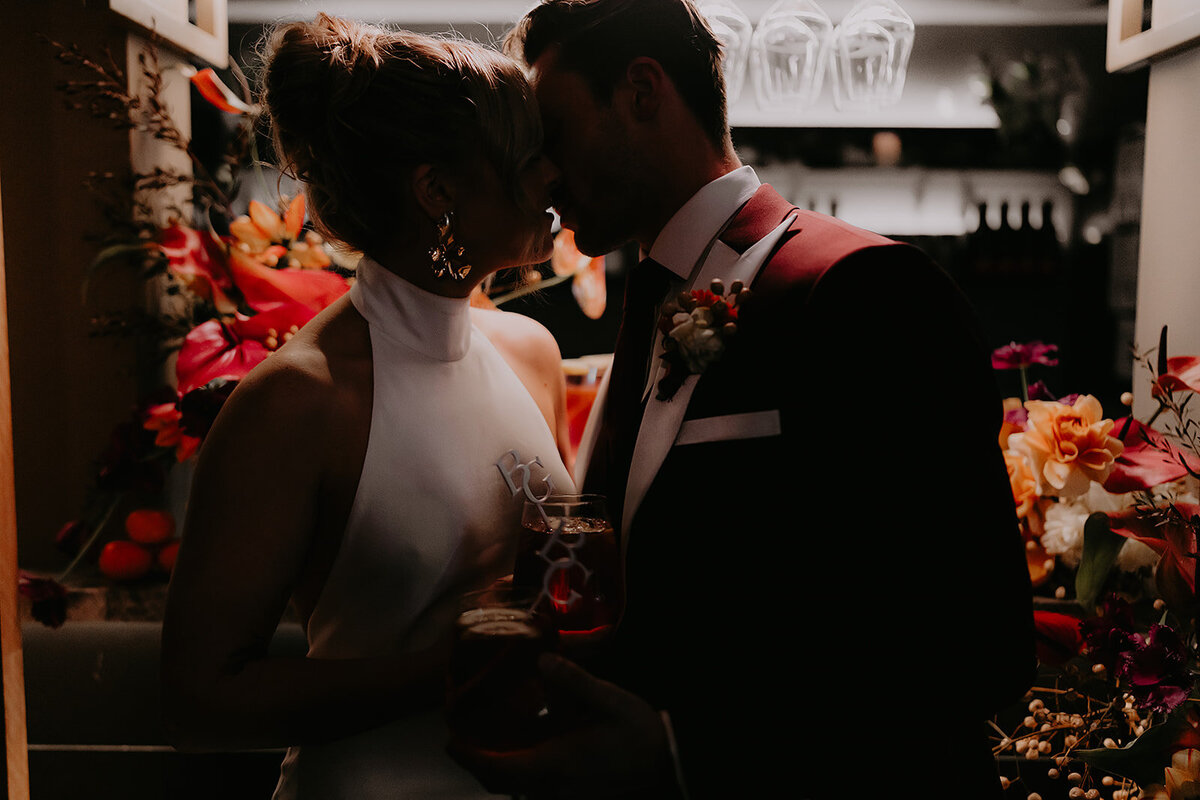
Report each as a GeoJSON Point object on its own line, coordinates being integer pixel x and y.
{"type": "Point", "coordinates": [731, 25]}
{"type": "Point", "coordinates": [788, 55]}
{"type": "Point", "coordinates": [568, 554]}
{"type": "Point", "coordinates": [870, 54]}
{"type": "Point", "coordinates": [495, 697]}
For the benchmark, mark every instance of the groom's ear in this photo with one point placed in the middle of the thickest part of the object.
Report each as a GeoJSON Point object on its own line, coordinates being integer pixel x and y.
{"type": "Point", "coordinates": [646, 83]}
{"type": "Point", "coordinates": [433, 190]}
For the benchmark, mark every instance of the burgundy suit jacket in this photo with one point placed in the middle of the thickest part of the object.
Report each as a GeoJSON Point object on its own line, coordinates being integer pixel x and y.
{"type": "Point", "coordinates": [803, 603]}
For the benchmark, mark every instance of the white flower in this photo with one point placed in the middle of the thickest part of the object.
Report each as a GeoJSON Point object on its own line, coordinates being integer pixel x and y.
{"type": "Point", "coordinates": [1063, 530]}
{"type": "Point", "coordinates": [1062, 533]}
{"type": "Point", "coordinates": [698, 342]}
{"type": "Point", "coordinates": [1136, 556]}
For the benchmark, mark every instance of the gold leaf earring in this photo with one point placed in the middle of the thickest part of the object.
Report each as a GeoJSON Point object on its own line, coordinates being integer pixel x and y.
{"type": "Point", "coordinates": [446, 256]}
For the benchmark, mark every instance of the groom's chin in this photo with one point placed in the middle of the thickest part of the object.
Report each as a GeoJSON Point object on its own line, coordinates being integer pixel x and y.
{"type": "Point", "coordinates": [592, 242]}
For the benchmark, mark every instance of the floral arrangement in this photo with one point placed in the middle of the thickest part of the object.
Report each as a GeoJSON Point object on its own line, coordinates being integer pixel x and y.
{"type": "Point", "coordinates": [695, 328]}
{"type": "Point", "coordinates": [233, 288]}
{"type": "Point", "coordinates": [1110, 504]}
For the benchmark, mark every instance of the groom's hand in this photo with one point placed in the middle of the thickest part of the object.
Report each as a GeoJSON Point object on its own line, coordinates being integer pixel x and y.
{"type": "Point", "coordinates": [619, 749]}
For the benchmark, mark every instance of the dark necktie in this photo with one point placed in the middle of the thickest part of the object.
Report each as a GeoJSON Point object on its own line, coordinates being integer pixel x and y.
{"type": "Point", "coordinates": [612, 453]}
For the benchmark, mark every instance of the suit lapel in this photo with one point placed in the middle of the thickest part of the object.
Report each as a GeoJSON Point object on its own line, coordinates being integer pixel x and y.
{"type": "Point", "coordinates": [661, 422]}
{"type": "Point", "coordinates": [762, 212]}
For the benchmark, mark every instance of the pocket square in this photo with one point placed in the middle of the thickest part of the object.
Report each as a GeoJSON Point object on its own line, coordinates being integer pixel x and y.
{"type": "Point", "coordinates": [751, 425]}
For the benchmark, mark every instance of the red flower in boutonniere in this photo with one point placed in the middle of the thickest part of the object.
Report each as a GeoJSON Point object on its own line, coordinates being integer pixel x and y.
{"type": "Point", "coordinates": [695, 330]}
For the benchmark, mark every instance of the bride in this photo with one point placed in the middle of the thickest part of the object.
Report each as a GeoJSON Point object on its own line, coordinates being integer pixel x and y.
{"type": "Point", "coordinates": [354, 474]}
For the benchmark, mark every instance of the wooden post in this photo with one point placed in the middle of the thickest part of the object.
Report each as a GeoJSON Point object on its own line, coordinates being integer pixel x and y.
{"type": "Point", "coordinates": [11, 656]}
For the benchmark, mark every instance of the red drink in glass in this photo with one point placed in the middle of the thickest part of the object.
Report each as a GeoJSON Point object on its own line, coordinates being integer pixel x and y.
{"type": "Point", "coordinates": [496, 699]}
{"type": "Point", "coordinates": [570, 556]}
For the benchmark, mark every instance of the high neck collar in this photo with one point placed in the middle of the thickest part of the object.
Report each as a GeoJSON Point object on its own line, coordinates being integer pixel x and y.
{"type": "Point", "coordinates": [435, 326]}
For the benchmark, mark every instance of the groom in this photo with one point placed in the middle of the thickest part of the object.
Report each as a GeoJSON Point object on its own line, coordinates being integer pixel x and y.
{"type": "Point", "coordinates": [826, 591]}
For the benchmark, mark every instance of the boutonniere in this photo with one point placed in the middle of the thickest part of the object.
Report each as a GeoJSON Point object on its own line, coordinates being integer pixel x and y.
{"type": "Point", "coordinates": [696, 328]}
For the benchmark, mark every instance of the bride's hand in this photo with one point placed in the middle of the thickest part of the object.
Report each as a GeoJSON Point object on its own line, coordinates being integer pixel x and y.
{"type": "Point", "coordinates": [620, 750]}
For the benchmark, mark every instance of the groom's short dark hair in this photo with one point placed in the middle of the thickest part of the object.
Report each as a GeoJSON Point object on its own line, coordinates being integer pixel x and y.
{"type": "Point", "coordinates": [598, 39]}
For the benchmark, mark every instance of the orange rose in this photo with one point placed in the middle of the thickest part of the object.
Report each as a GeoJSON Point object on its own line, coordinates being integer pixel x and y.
{"type": "Point", "coordinates": [1067, 446]}
{"type": "Point", "coordinates": [1023, 482]}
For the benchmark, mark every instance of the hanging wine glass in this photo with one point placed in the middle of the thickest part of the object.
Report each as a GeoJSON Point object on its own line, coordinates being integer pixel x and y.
{"type": "Point", "coordinates": [733, 28]}
{"type": "Point", "coordinates": [869, 55]}
{"type": "Point", "coordinates": [788, 53]}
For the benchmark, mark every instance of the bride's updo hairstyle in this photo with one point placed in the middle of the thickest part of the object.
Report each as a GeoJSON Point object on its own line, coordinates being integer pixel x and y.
{"type": "Point", "coordinates": [353, 108]}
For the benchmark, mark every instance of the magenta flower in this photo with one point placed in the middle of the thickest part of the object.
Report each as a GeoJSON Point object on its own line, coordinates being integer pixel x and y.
{"type": "Point", "coordinates": [1039, 391]}
{"type": "Point", "coordinates": [48, 598]}
{"type": "Point", "coordinates": [1156, 670]}
{"type": "Point", "coordinates": [1019, 356]}
{"type": "Point", "coordinates": [1109, 635]}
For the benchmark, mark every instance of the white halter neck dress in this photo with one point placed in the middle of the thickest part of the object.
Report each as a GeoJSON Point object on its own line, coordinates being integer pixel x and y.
{"type": "Point", "coordinates": [432, 518]}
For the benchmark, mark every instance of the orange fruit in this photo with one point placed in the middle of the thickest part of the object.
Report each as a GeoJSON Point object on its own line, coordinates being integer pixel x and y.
{"type": "Point", "coordinates": [150, 525]}
{"type": "Point", "coordinates": [125, 561]}
{"type": "Point", "coordinates": [166, 555]}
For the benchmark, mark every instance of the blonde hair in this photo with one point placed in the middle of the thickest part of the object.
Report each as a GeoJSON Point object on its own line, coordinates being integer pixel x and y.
{"type": "Point", "coordinates": [353, 108]}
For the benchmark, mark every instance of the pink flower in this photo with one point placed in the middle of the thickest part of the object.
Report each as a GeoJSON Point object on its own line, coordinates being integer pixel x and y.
{"type": "Point", "coordinates": [1018, 356]}
{"type": "Point", "coordinates": [1156, 669]}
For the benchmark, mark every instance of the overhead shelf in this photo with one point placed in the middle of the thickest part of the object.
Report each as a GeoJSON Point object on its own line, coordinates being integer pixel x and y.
{"type": "Point", "coordinates": [503, 12]}
{"type": "Point", "coordinates": [914, 201]}
{"type": "Point", "coordinates": [944, 88]}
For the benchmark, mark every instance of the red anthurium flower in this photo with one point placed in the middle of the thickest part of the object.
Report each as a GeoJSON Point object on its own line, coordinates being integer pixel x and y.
{"type": "Point", "coordinates": [1182, 374]}
{"type": "Point", "coordinates": [228, 350]}
{"type": "Point", "coordinates": [1149, 459]}
{"type": "Point", "coordinates": [274, 326]}
{"type": "Point", "coordinates": [1174, 540]}
{"type": "Point", "coordinates": [265, 288]}
{"type": "Point", "coordinates": [1019, 356]}
{"type": "Point", "coordinates": [215, 350]}
{"type": "Point", "coordinates": [198, 259]}
{"type": "Point", "coordinates": [1057, 636]}
{"type": "Point", "coordinates": [214, 91]}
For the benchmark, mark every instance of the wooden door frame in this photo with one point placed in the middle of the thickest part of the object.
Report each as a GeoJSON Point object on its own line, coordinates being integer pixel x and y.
{"type": "Point", "coordinates": [11, 652]}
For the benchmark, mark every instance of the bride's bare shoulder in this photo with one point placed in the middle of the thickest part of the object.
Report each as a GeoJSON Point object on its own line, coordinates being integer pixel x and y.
{"type": "Point", "coordinates": [317, 371]}
{"type": "Point", "coordinates": [517, 335]}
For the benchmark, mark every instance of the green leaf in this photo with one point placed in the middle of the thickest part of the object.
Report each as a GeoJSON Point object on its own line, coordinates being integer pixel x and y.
{"type": "Point", "coordinates": [1144, 759]}
{"type": "Point", "coordinates": [1100, 549]}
